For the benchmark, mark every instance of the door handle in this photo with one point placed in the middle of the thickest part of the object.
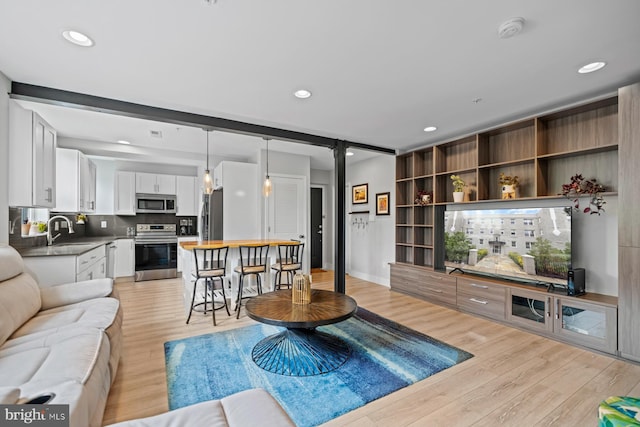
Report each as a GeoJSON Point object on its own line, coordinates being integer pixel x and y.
{"type": "Point", "coordinates": [320, 232]}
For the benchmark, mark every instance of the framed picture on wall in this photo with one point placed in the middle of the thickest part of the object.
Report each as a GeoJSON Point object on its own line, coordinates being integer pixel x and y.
{"type": "Point", "coordinates": [360, 194]}
{"type": "Point", "coordinates": [382, 204]}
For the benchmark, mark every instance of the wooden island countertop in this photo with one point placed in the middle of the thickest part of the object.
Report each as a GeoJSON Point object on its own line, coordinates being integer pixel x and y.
{"type": "Point", "coordinates": [212, 244]}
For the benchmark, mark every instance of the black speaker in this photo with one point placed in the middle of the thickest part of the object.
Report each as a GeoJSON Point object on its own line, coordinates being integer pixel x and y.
{"type": "Point", "coordinates": [575, 282]}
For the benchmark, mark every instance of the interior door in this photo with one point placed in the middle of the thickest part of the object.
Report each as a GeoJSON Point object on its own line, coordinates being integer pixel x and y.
{"type": "Point", "coordinates": [316, 228]}
{"type": "Point", "coordinates": [287, 211]}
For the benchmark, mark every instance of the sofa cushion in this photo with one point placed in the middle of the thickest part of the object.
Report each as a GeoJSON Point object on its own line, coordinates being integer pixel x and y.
{"type": "Point", "coordinates": [19, 302]}
{"type": "Point", "coordinates": [265, 409]}
{"type": "Point", "coordinates": [97, 313]}
{"type": "Point", "coordinates": [255, 407]}
{"type": "Point", "coordinates": [71, 293]}
{"type": "Point", "coordinates": [69, 355]}
{"type": "Point", "coordinates": [209, 413]}
{"type": "Point", "coordinates": [11, 263]}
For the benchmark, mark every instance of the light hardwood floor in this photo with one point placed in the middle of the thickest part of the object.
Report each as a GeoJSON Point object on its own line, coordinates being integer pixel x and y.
{"type": "Point", "coordinates": [515, 379]}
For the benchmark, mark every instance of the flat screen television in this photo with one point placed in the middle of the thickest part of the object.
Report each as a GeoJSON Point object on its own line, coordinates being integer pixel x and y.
{"type": "Point", "coordinates": [530, 245]}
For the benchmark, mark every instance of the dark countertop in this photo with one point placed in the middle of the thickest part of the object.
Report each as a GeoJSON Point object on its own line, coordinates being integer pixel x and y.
{"type": "Point", "coordinates": [69, 248]}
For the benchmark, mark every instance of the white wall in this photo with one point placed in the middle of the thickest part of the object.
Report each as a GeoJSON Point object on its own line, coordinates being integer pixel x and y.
{"type": "Point", "coordinates": [5, 88]}
{"type": "Point", "coordinates": [370, 248]}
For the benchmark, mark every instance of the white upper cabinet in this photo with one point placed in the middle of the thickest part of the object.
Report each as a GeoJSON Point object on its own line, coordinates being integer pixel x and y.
{"type": "Point", "coordinates": [32, 159]}
{"type": "Point", "coordinates": [77, 177]}
{"type": "Point", "coordinates": [150, 183]}
{"type": "Point", "coordinates": [125, 193]}
{"type": "Point", "coordinates": [186, 200]}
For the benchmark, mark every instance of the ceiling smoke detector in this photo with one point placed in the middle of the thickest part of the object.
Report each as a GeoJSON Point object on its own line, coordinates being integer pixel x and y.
{"type": "Point", "coordinates": [510, 27]}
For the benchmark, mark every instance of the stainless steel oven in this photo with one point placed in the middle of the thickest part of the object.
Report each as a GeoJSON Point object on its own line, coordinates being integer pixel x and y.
{"type": "Point", "coordinates": [156, 252]}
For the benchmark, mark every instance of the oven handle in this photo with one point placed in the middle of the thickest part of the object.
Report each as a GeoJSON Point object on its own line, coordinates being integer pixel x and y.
{"type": "Point", "coordinates": [155, 241]}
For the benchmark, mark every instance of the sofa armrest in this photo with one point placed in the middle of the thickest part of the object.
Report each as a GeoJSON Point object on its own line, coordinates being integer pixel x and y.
{"type": "Point", "coordinates": [9, 395]}
{"type": "Point", "coordinates": [71, 293]}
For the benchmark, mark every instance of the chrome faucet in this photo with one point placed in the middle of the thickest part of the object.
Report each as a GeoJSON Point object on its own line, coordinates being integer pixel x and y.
{"type": "Point", "coordinates": [50, 239]}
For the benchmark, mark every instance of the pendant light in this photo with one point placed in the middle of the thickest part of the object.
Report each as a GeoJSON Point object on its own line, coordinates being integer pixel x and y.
{"type": "Point", "coordinates": [208, 182]}
{"type": "Point", "coordinates": [266, 186]}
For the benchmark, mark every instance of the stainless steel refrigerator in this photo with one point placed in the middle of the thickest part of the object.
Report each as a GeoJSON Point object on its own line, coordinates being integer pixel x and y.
{"type": "Point", "coordinates": [210, 221]}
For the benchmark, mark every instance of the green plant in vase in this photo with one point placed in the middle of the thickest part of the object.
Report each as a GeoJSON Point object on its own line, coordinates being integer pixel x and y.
{"type": "Point", "coordinates": [458, 188]}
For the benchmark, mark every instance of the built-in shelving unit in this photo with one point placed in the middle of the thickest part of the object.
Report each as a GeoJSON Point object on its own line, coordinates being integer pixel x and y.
{"type": "Point", "coordinates": [544, 152]}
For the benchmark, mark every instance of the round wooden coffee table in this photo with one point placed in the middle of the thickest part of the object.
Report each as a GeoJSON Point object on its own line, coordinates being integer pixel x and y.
{"type": "Point", "coordinates": [301, 350]}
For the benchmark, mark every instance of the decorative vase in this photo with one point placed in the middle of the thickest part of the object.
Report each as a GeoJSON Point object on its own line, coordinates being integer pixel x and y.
{"type": "Point", "coordinates": [509, 191]}
{"type": "Point", "coordinates": [301, 289]}
{"type": "Point", "coordinates": [458, 196]}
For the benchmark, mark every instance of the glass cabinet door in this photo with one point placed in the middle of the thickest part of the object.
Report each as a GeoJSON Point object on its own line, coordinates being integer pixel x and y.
{"type": "Point", "coordinates": [585, 323]}
{"type": "Point", "coordinates": [530, 309]}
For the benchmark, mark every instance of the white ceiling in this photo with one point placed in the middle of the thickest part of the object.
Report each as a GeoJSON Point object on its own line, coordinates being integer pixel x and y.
{"type": "Point", "coordinates": [379, 71]}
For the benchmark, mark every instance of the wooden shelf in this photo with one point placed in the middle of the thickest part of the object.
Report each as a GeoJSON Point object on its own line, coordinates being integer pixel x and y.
{"type": "Point", "coordinates": [358, 212]}
{"type": "Point", "coordinates": [544, 152]}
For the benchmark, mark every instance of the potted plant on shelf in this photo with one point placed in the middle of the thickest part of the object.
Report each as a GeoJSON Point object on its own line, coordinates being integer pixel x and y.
{"type": "Point", "coordinates": [579, 186]}
{"type": "Point", "coordinates": [458, 188]}
{"type": "Point", "coordinates": [423, 198]}
{"type": "Point", "coordinates": [509, 185]}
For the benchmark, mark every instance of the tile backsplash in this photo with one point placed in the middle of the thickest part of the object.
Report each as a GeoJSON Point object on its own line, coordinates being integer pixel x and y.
{"type": "Point", "coordinates": [115, 225]}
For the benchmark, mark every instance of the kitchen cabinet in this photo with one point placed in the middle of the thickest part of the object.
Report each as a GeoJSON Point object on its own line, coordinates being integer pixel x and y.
{"type": "Point", "coordinates": [125, 258]}
{"type": "Point", "coordinates": [181, 255]}
{"type": "Point", "coordinates": [186, 196]}
{"type": "Point", "coordinates": [57, 270]}
{"type": "Point", "coordinates": [32, 159]}
{"type": "Point", "coordinates": [150, 183]}
{"type": "Point", "coordinates": [125, 193]}
{"type": "Point", "coordinates": [77, 177]}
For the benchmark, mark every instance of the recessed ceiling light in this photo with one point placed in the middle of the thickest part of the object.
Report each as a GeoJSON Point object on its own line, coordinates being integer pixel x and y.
{"type": "Point", "coordinates": [350, 153]}
{"type": "Point", "coordinates": [430, 128]}
{"type": "Point", "coordinates": [122, 141]}
{"type": "Point", "coordinates": [77, 38]}
{"type": "Point", "coordinates": [590, 68]}
{"type": "Point", "coordinates": [302, 94]}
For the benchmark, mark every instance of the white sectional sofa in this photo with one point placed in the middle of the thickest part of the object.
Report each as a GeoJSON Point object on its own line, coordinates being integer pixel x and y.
{"type": "Point", "coordinates": [63, 340]}
{"type": "Point", "coordinates": [254, 407]}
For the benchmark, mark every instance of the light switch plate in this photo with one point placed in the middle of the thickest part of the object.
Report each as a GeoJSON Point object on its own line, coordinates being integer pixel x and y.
{"type": "Point", "coordinates": [103, 224]}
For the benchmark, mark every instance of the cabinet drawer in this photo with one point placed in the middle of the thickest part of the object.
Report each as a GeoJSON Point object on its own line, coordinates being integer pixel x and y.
{"type": "Point", "coordinates": [482, 305]}
{"type": "Point", "coordinates": [482, 289]}
{"type": "Point", "coordinates": [436, 278]}
{"type": "Point", "coordinates": [85, 260]}
{"type": "Point", "coordinates": [432, 286]}
{"type": "Point", "coordinates": [443, 292]}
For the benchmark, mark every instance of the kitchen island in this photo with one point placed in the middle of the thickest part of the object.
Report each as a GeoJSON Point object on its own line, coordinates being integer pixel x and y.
{"type": "Point", "coordinates": [185, 252]}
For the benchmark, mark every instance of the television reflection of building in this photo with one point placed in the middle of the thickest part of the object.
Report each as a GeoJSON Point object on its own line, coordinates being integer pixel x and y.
{"type": "Point", "coordinates": [501, 233]}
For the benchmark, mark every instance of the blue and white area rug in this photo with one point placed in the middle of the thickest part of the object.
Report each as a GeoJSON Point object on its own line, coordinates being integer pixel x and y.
{"type": "Point", "coordinates": [386, 357]}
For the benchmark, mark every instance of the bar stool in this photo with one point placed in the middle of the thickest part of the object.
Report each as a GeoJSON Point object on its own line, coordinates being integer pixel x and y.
{"type": "Point", "coordinates": [211, 264]}
{"type": "Point", "coordinates": [253, 261]}
{"type": "Point", "coordinates": [289, 261]}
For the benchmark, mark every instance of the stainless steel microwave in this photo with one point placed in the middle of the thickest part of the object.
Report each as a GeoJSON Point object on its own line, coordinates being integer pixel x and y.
{"type": "Point", "coordinates": [155, 203]}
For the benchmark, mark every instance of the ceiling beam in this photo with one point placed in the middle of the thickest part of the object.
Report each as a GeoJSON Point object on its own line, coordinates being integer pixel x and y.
{"type": "Point", "coordinates": [82, 101]}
